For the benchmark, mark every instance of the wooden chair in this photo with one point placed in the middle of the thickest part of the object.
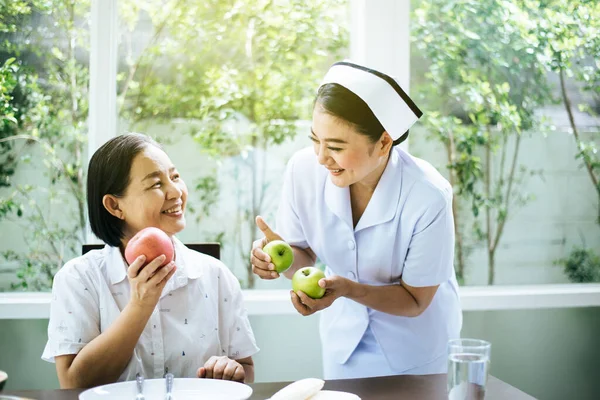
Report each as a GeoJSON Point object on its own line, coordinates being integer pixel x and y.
{"type": "Point", "coordinates": [211, 249]}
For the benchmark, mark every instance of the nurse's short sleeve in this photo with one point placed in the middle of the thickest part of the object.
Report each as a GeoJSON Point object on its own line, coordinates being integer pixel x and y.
{"type": "Point", "coordinates": [74, 314]}
{"type": "Point", "coordinates": [236, 332]}
{"type": "Point", "coordinates": [288, 224]}
{"type": "Point", "coordinates": [430, 257]}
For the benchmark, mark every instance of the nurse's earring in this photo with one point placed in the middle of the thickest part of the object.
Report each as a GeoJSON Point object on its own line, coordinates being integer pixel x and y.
{"type": "Point", "coordinates": [111, 204]}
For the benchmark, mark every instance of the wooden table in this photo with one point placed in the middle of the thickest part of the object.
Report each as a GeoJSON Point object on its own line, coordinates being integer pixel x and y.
{"type": "Point", "coordinates": [422, 387]}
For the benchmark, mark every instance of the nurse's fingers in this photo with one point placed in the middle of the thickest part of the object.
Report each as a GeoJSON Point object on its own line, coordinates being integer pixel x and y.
{"type": "Point", "coordinates": [264, 273]}
{"type": "Point", "coordinates": [260, 258]}
{"type": "Point", "coordinates": [301, 308]}
{"type": "Point", "coordinates": [269, 234]}
{"type": "Point", "coordinates": [307, 301]}
{"type": "Point", "coordinates": [262, 265]}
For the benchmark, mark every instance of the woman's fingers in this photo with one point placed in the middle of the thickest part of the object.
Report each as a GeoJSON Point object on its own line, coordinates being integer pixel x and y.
{"type": "Point", "coordinates": [240, 374]}
{"type": "Point", "coordinates": [209, 366]}
{"type": "Point", "coordinates": [219, 368]}
{"type": "Point", "coordinates": [229, 370]}
{"type": "Point", "coordinates": [163, 274]}
{"type": "Point", "coordinates": [149, 270]}
{"type": "Point", "coordinates": [134, 269]}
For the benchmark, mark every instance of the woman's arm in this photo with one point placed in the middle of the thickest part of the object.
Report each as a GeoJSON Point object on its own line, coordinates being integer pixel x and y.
{"type": "Point", "coordinates": [103, 359]}
{"type": "Point", "coordinates": [401, 299]}
{"type": "Point", "coordinates": [106, 356]}
{"type": "Point", "coordinates": [248, 365]}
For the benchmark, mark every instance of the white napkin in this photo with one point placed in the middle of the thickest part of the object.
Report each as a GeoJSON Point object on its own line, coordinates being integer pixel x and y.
{"type": "Point", "coordinates": [303, 389]}
{"type": "Point", "coordinates": [334, 395]}
{"type": "Point", "coordinates": [310, 389]}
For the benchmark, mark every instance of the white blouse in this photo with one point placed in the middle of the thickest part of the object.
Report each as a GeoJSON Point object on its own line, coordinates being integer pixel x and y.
{"type": "Point", "coordinates": [200, 313]}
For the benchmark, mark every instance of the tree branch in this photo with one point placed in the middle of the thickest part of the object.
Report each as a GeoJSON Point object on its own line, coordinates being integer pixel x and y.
{"type": "Point", "coordinates": [567, 103]}
{"type": "Point", "coordinates": [500, 227]}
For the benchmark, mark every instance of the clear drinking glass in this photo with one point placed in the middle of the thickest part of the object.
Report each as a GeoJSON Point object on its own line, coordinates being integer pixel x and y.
{"type": "Point", "coordinates": [468, 365]}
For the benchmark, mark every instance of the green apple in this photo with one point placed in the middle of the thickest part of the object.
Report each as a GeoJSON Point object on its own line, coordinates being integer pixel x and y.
{"type": "Point", "coordinates": [307, 280]}
{"type": "Point", "coordinates": [281, 253]}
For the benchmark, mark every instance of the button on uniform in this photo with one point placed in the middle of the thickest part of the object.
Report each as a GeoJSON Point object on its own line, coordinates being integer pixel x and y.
{"type": "Point", "coordinates": [351, 275]}
{"type": "Point", "coordinates": [351, 245]}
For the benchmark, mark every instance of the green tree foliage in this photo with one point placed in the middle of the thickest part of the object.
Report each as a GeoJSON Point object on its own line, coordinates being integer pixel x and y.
{"type": "Point", "coordinates": [484, 83]}
{"type": "Point", "coordinates": [44, 93]}
{"type": "Point", "coordinates": [245, 75]}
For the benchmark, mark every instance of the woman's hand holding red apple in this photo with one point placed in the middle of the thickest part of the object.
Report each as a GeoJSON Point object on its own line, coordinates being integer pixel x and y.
{"type": "Point", "coordinates": [261, 261]}
{"type": "Point", "coordinates": [335, 286]}
{"type": "Point", "coordinates": [148, 282]}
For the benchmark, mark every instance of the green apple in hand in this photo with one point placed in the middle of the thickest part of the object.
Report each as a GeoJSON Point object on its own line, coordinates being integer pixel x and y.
{"type": "Point", "coordinates": [307, 280]}
{"type": "Point", "coordinates": [281, 253]}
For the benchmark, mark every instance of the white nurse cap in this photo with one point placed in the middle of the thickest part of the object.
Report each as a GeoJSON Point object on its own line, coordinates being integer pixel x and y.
{"type": "Point", "coordinates": [384, 96]}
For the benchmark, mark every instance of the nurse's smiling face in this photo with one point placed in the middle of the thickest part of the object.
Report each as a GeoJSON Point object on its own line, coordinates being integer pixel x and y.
{"type": "Point", "coordinates": [350, 156]}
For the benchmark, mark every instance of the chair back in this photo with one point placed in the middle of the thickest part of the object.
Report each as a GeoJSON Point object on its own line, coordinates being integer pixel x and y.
{"type": "Point", "coordinates": [210, 248]}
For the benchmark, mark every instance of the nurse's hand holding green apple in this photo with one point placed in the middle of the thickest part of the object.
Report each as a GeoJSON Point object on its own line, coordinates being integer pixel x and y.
{"type": "Point", "coordinates": [307, 280]}
{"type": "Point", "coordinates": [263, 264]}
{"type": "Point", "coordinates": [271, 255]}
{"type": "Point", "coordinates": [281, 254]}
{"type": "Point", "coordinates": [305, 297]}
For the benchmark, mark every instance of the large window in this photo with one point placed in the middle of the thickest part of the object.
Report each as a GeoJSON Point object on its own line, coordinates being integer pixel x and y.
{"type": "Point", "coordinates": [511, 95]}
{"type": "Point", "coordinates": [229, 86]}
{"type": "Point", "coordinates": [509, 89]}
{"type": "Point", "coordinates": [44, 109]}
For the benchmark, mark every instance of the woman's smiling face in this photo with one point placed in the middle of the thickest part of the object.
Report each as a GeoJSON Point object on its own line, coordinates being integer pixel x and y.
{"type": "Point", "coordinates": [350, 156]}
{"type": "Point", "coordinates": [156, 195]}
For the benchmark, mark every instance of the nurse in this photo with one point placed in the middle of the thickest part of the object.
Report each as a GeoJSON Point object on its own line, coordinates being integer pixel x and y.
{"type": "Point", "coordinates": [381, 221]}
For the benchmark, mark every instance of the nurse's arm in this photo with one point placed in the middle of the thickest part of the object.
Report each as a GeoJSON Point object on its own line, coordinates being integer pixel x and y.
{"type": "Point", "coordinates": [302, 258]}
{"type": "Point", "coordinates": [401, 299]}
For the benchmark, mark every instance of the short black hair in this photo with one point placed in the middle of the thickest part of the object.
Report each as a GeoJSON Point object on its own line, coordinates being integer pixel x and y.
{"type": "Point", "coordinates": [109, 173]}
{"type": "Point", "coordinates": [342, 103]}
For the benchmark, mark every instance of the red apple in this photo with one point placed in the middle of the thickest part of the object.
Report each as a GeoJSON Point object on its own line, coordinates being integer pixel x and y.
{"type": "Point", "coordinates": [151, 242]}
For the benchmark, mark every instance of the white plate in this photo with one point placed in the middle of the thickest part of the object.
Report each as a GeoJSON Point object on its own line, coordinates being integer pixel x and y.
{"type": "Point", "coordinates": [183, 389]}
{"type": "Point", "coordinates": [334, 395]}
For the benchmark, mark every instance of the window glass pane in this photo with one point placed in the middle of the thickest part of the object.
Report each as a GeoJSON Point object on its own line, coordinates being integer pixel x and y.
{"type": "Point", "coordinates": [228, 85]}
{"type": "Point", "coordinates": [44, 53]}
{"type": "Point", "coordinates": [510, 94]}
